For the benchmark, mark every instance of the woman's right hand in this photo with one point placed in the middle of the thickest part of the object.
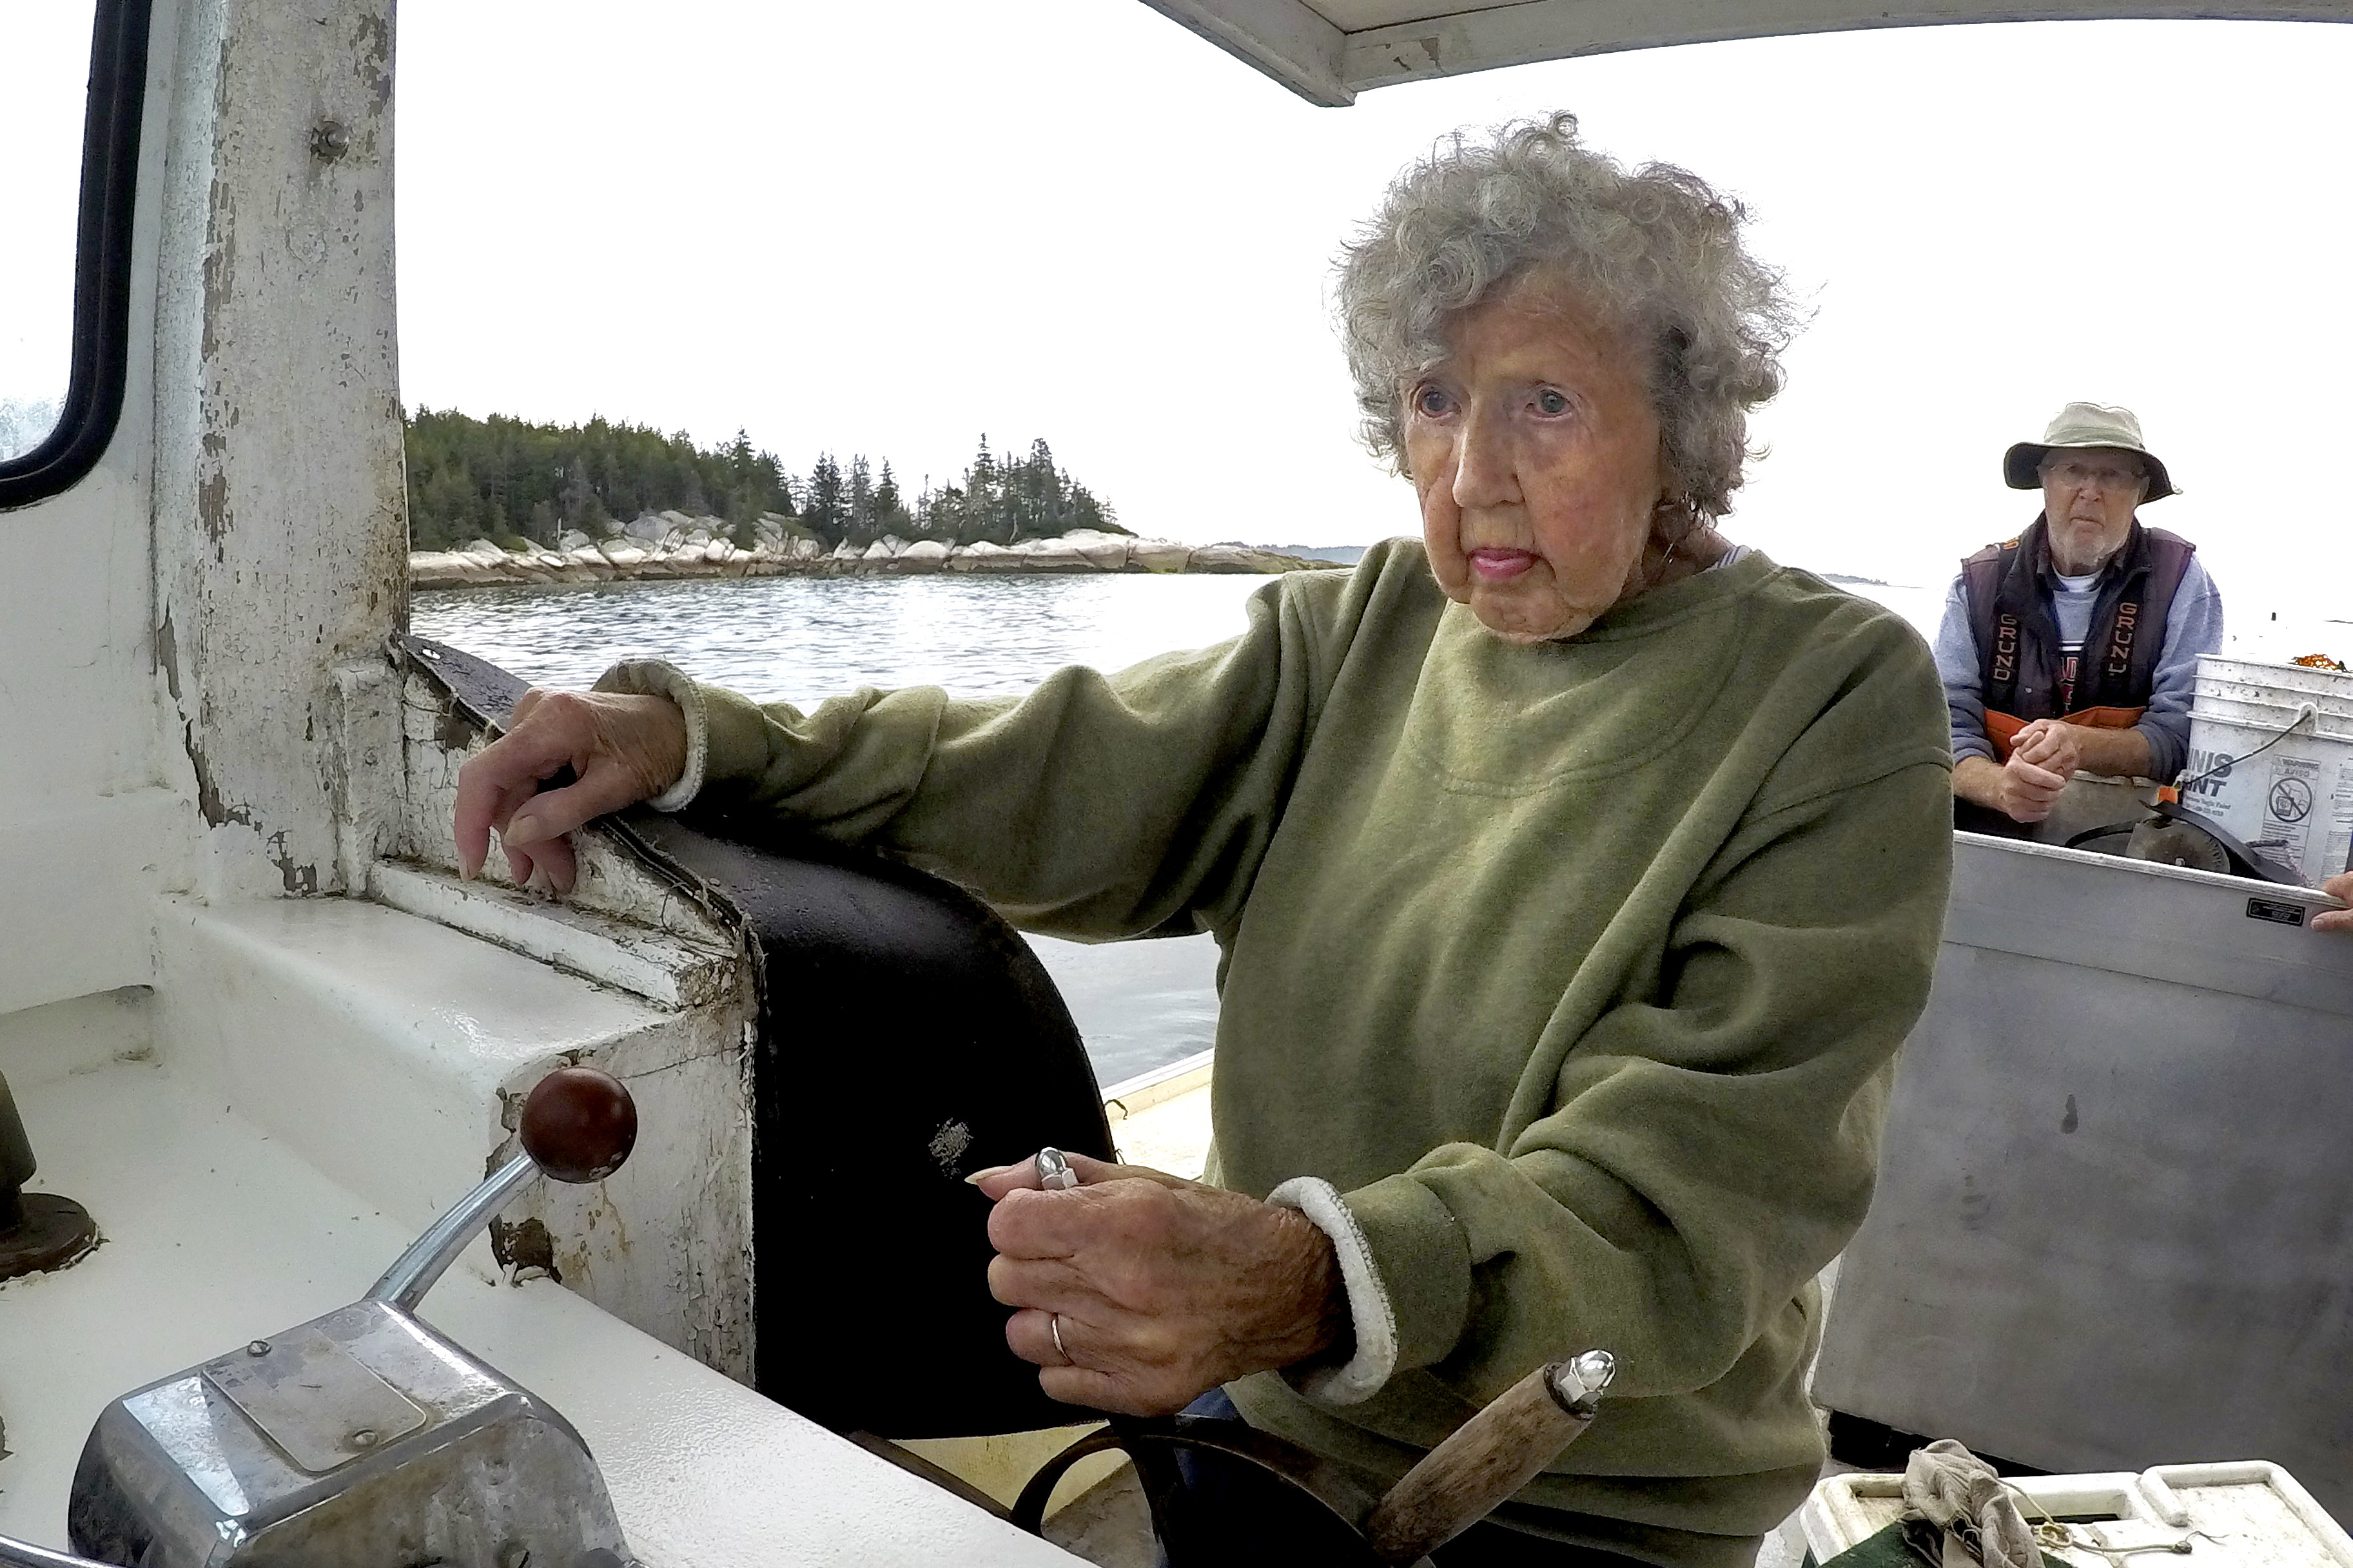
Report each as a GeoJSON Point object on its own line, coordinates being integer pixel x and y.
{"type": "Point", "coordinates": [1138, 1292]}
{"type": "Point", "coordinates": [621, 750]}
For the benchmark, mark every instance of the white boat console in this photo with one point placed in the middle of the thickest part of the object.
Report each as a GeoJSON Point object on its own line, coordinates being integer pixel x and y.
{"type": "Point", "coordinates": [222, 1224]}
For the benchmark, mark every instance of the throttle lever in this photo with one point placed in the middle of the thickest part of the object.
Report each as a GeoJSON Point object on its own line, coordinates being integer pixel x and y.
{"type": "Point", "coordinates": [364, 1425]}
{"type": "Point", "coordinates": [578, 1125]}
{"type": "Point", "coordinates": [14, 1553]}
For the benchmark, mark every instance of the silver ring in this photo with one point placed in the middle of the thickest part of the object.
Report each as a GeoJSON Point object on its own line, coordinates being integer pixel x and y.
{"type": "Point", "coordinates": [1054, 1323]}
{"type": "Point", "coordinates": [1054, 1172]}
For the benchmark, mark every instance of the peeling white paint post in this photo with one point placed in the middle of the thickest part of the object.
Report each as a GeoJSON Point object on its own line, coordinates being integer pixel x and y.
{"type": "Point", "coordinates": [280, 522]}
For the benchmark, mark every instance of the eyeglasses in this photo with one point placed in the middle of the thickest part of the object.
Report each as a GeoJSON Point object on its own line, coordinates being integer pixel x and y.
{"type": "Point", "coordinates": [2084, 476]}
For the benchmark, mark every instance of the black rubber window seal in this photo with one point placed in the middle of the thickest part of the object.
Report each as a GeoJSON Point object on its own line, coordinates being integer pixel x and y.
{"type": "Point", "coordinates": [102, 308]}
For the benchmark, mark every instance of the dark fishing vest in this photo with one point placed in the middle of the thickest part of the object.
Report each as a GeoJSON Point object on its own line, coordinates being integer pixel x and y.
{"type": "Point", "coordinates": [2020, 657]}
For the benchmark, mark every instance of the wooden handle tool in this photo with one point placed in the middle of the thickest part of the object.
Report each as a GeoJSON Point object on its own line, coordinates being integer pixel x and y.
{"type": "Point", "coordinates": [1489, 1458]}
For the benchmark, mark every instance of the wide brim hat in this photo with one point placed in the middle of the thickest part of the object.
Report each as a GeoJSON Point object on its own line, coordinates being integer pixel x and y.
{"type": "Point", "coordinates": [2081, 425]}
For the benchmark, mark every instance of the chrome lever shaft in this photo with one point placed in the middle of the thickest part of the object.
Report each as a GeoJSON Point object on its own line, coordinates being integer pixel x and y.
{"type": "Point", "coordinates": [14, 1553]}
{"type": "Point", "coordinates": [577, 1125]}
{"type": "Point", "coordinates": [429, 1256]}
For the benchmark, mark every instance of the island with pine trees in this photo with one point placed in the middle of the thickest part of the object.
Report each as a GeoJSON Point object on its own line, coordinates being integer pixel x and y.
{"type": "Point", "coordinates": [504, 502]}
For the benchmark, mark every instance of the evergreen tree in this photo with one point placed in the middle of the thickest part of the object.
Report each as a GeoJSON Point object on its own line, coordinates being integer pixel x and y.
{"type": "Point", "coordinates": [1088, 512]}
{"type": "Point", "coordinates": [891, 513]}
{"type": "Point", "coordinates": [985, 518]}
{"type": "Point", "coordinates": [863, 530]}
{"type": "Point", "coordinates": [514, 482]}
{"type": "Point", "coordinates": [1029, 498]}
{"type": "Point", "coordinates": [942, 515]}
{"type": "Point", "coordinates": [1034, 494]}
{"type": "Point", "coordinates": [508, 479]}
{"type": "Point", "coordinates": [827, 510]}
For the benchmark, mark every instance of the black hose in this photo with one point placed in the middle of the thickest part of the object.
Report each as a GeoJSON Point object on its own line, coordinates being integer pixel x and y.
{"type": "Point", "coordinates": [2103, 831]}
{"type": "Point", "coordinates": [2309, 711]}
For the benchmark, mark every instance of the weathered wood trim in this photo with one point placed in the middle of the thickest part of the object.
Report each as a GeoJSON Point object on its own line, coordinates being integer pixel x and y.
{"type": "Point", "coordinates": [664, 969]}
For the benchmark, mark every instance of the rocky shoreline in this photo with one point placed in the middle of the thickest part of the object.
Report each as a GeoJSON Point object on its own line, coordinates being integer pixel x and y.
{"type": "Point", "coordinates": [670, 544]}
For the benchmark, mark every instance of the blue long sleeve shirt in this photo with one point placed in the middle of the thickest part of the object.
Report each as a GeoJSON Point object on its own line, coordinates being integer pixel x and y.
{"type": "Point", "coordinates": [2194, 625]}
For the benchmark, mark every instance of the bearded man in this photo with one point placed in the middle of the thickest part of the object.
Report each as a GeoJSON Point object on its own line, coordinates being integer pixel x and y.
{"type": "Point", "coordinates": [2074, 648]}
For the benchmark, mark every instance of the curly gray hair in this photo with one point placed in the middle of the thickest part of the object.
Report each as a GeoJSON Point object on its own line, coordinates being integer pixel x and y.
{"type": "Point", "coordinates": [1655, 248]}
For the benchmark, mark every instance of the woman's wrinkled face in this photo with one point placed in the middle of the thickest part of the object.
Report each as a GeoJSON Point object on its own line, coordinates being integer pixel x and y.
{"type": "Point", "coordinates": [1534, 449]}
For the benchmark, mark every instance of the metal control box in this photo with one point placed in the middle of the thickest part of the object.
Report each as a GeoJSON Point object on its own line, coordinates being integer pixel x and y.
{"type": "Point", "coordinates": [362, 1439]}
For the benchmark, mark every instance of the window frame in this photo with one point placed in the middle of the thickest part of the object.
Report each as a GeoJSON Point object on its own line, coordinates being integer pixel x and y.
{"type": "Point", "coordinates": [102, 262]}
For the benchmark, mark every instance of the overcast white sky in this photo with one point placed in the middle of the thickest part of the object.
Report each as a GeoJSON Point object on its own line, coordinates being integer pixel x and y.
{"type": "Point", "coordinates": [890, 227]}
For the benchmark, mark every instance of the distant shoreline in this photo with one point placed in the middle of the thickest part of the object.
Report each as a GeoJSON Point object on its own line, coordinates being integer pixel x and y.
{"type": "Point", "coordinates": [697, 549]}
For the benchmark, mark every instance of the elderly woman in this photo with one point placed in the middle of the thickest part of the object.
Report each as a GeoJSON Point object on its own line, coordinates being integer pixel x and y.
{"type": "Point", "coordinates": [1577, 874]}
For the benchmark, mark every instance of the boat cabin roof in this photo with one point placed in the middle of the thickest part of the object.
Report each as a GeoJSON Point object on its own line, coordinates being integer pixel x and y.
{"type": "Point", "coordinates": [1328, 51]}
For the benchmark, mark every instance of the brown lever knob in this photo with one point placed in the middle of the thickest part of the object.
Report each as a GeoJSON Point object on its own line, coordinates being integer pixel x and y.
{"type": "Point", "coordinates": [579, 1124]}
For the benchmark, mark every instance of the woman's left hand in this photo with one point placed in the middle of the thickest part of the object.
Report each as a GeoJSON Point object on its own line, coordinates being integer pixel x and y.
{"type": "Point", "coordinates": [1163, 1288]}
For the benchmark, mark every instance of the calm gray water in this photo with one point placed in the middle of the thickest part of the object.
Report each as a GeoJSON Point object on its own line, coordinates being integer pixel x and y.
{"type": "Point", "coordinates": [803, 639]}
{"type": "Point", "coordinates": [1139, 1005]}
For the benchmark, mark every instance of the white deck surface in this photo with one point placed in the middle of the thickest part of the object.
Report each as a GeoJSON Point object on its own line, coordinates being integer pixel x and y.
{"type": "Point", "coordinates": [1163, 1119]}
{"type": "Point", "coordinates": [217, 1234]}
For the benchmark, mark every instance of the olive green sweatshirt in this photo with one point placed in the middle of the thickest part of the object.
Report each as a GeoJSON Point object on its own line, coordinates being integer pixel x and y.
{"type": "Point", "coordinates": [1576, 970]}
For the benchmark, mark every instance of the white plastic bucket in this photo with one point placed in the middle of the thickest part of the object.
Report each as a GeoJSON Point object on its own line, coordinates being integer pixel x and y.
{"type": "Point", "coordinates": [2271, 759]}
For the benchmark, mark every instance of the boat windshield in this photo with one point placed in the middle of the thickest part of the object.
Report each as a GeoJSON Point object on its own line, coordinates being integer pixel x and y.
{"type": "Point", "coordinates": [43, 73]}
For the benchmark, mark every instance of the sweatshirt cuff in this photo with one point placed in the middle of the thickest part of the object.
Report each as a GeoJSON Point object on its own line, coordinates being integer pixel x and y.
{"type": "Point", "coordinates": [1368, 1301]}
{"type": "Point", "coordinates": [1419, 1249]}
{"type": "Point", "coordinates": [657, 678]}
{"type": "Point", "coordinates": [737, 736]}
